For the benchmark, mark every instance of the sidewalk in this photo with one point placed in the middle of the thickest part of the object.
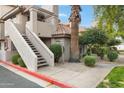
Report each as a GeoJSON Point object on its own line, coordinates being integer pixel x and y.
{"type": "Point", "coordinates": [78, 74]}
{"type": "Point", "coordinates": [75, 74]}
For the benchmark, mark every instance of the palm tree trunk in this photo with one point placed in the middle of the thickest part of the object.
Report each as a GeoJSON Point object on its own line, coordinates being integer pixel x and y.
{"type": "Point", "coordinates": [74, 42]}
{"type": "Point", "coordinates": [75, 20]}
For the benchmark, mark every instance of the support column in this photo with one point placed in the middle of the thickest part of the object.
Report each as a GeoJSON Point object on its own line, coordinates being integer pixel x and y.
{"type": "Point", "coordinates": [21, 22]}
{"type": "Point", "coordinates": [33, 20]}
{"type": "Point", "coordinates": [2, 46]}
{"type": "Point", "coordinates": [2, 35]}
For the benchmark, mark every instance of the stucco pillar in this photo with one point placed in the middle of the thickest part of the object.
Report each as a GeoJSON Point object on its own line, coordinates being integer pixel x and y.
{"type": "Point", "coordinates": [33, 20]}
{"type": "Point", "coordinates": [2, 45]}
{"type": "Point", "coordinates": [2, 49]}
{"type": "Point", "coordinates": [2, 34]}
{"type": "Point", "coordinates": [21, 20]}
{"type": "Point", "coordinates": [2, 29]}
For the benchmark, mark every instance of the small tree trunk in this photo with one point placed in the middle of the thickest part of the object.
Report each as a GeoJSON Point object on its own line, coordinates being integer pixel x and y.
{"type": "Point", "coordinates": [74, 42]}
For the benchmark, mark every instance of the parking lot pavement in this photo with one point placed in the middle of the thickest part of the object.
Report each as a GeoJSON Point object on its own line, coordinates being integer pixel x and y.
{"type": "Point", "coordinates": [9, 79]}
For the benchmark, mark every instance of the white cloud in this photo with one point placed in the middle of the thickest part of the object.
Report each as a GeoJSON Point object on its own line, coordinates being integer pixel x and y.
{"type": "Point", "coordinates": [62, 15]}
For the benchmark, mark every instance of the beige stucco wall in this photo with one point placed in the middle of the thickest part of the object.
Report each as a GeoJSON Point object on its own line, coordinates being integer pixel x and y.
{"type": "Point", "coordinates": [47, 41]}
{"type": "Point", "coordinates": [45, 29]}
{"type": "Point", "coordinates": [55, 9]}
{"type": "Point", "coordinates": [65, 42]}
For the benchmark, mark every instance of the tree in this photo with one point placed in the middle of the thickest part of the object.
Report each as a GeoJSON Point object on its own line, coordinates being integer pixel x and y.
{"type": "Point", "coordinates": [111, 19]}
{"type": "Point", "coordinates": [93, 37]}
{"type": "Point", "coordinates": [75, 20]}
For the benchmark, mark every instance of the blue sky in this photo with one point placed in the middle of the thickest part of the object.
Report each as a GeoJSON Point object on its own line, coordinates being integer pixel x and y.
{"type": "Point", "coordinates": [87, 14]}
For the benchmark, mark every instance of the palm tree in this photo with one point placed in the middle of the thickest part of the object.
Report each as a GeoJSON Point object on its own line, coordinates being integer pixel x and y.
{"type": "Point", "coordinates": [75, 20]}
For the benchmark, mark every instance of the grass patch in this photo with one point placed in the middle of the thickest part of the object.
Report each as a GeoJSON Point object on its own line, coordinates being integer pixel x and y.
{"type": "Point", "coordinates": [115, 79]}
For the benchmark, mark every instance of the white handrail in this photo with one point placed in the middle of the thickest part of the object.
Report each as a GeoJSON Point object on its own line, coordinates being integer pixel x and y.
{"type": "Point", "coordinates": [22, 47]}
{"type": "Point", "coordinates": [39, 41]}
{"type": "Point", "coordinates": [41, 47]}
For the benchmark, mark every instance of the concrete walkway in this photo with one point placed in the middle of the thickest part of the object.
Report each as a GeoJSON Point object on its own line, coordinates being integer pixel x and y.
{"type": "Point", "coordinates": [78, 74]}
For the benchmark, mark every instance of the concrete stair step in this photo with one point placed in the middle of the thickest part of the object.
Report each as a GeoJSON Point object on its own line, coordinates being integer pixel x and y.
{"type": "Point", "coordinates": [33, 48]}
{"type": "Point", "coordinates": [40, 58]}
{"type": "Point", "coordinates": [41, 61]}
{"type": "Point", "coordinates": [27, 40]}
{"type": "Point", "coordinates": [38, 55]}
{"type": "Point", "coordinates": [31, 45]}
{"type": "Point", "coordinates": [43, 64]}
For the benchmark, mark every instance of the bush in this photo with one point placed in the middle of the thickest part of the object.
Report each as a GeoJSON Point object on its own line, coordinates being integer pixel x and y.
{"type": "Point", "coordinates": [95, 49]}
{"type": "Point", "coordinates": [15, 58]}
{"type": "Point", "coordinates": [112, 55]}
{"type": "Point", "coordinates": [21, 62]}
{"type": "Point", "coordinates": [57, 51]}
{"type": "Point", "coordinates": [89, 60]}
{"type": "Point", "coordinates": [114, 49]}
{"type": "Point", "coordinates": [88, 51]}
{"type": "Point", "coordinates": [101, 52]}
{"type": "Point", "coordinates": [113, 42]}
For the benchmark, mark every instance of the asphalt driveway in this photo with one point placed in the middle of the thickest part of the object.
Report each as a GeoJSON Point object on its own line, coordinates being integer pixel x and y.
{"type": "Point", "coordinates": [9, 79]}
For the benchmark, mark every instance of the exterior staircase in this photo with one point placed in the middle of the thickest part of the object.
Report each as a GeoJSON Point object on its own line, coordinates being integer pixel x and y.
{"type": "Point", "coordinates": [32, 50]}
{"type": "Point", "coordinates": [40, 60]}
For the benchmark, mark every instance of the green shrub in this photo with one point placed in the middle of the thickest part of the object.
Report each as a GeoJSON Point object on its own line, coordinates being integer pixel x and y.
{"type": "Point", "coordinates": [114, 49]}
{"type": "Point", "coordinates": [57, 51]}
{"type": "Point", "coordinates": [84, 55]}
{"type": "Point", "coordinates": [21, 62]}
{"type": "Point", "coordinates": [113, 42]}
{"type": "Point", "coordinates": [15, 58]}
{"type": "Point", "coordinates": [89, 60]}
{"type": "Point", "coordinates": [95, 48]}
{"type": "Point", "coordinates": [112, 55]}
{"type": "Point", "coordinates": [101, 52]}
{"type": "Point", "coordinates": [106, 50]}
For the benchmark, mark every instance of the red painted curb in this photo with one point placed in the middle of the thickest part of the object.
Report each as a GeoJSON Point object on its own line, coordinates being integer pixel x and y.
{"type": "Point", "coordinates": [40, 76]}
